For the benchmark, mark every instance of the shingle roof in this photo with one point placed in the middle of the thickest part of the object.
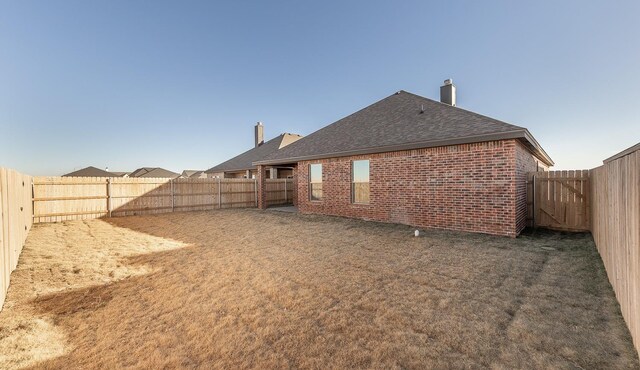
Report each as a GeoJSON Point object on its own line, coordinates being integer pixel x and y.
{"type": "Point", "coordinates": [245, 160]}
{"type": "Point", "coordinates": [198, 174]}
{"type": "Point", "coordinates": [189, 173]}
{"type": "Point", "coordinates": [153, 172]}
{"type": "Point", "coordinates": [90, 172]}
{"type": "Point", "coordinates": [193, 174]}
{"type": "Point", "coordinates": [119, 174]}
{"type": "Point", "coordinates": [399, 122]}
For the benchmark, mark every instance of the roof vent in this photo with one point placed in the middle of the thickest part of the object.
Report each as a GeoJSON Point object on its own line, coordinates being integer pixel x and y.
{"type": "Point", "coordinates": [448, 92]}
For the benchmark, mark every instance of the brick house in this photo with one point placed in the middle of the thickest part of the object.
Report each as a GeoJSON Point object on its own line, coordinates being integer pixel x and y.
{"type": "Point", "coordinates": [241, 166]}
{"type": "Point", "coordinates": [412, 160]}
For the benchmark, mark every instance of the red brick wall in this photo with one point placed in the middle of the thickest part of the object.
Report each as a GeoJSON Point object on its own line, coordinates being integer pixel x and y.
{"type": "Point", "coordinates": [261, 176]}
{"type": "Point", "coordinates": [468, 187]}
{"type": "Point", "coordinates": [295, 188]}
{"type": "Point", "coordinates": [525, 162]}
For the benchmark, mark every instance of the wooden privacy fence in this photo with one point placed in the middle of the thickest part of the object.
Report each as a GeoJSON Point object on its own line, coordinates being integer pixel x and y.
{"type": "Point", "coordinates": [605, 201]}
{"type": "Point", "coordinates": [15, 222]}
{"type": "Point", "coordinates": [71, 198]}
{"type": "Point", "coordinates": [279, 191]}
{"type": "Point", "coordinates": [560, 200]}
{"type": "Point", "coordinates": [615, 197]}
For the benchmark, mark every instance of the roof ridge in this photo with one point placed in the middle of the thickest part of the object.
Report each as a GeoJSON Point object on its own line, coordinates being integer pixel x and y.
{"type": "Point", "coordinates": [245, 159]}
{"type": "Point", "coordinates": [396, 121]}
{"type": "Point", "coordinates": [462, 109]}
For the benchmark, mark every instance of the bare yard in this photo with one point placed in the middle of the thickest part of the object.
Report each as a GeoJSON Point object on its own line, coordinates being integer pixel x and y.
{"type": "Point", "coordinates": [247, 288]}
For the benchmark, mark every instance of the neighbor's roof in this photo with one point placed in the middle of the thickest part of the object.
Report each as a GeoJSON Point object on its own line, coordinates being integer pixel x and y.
{"type": "Point", "coordinates": [153, 172]}
{"type": "Point", "coordinates": [197, 175]}
{"type": "Point", "coordinates": [90, 172]}
{"type": "Point", "coordinates": [119, 174]}
{"type": "Point", "coordinates": [245, 160]}
{"type": "Point", "coordinates": [189, 173]}
{"type": "Point", "coordinates": [402, 121]}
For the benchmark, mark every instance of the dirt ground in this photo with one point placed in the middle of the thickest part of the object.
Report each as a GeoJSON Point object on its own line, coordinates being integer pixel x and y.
{"type": "Point", "coordinates": [255, 289]}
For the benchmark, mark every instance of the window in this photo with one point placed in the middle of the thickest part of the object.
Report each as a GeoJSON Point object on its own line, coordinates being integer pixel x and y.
{"type": "Point", "coordinates": [360, 181]}
{"type": "Point", "coordinates": [315, 181]}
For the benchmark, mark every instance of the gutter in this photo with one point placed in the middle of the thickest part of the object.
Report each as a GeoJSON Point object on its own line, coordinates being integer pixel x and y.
{"type": "Point", "coordinates": [230, 170]}
{"type": "Point", "coordinates": [516, 134]}
{"type": "Point", "coordinates": [240, 169]}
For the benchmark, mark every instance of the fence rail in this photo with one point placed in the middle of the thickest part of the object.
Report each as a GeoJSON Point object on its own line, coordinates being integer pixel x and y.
{"type": "Point", "coordinates": [279, 191]}
{"type": "Point", "coordinates": [15, 222]}
{"type": "Point", "coordinates": [561, 200]}
{"type": "Point", "coordinates": [58, 199]}
{"type": "Point", "coordinates": [605, 201]}
{"type": "Point", "coordinates": [615, 197]}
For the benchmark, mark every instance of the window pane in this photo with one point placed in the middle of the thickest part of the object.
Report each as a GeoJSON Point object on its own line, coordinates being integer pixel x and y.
{"type": "Point", "coordinates": [360, 181]}
{"type": "Point", "coordinates": [316, 191]}
{"type": "Point", "coordinates": [315, 181]}
{"type": "Point", "coordinates": [315, 173]}
{"type": "Point", "coordinates": [360, 192]}
{"type": "Point", "coordinates": [361, 171]}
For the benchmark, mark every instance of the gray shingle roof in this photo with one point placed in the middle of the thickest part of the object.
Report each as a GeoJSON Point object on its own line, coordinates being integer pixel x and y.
{"type": "Point", "coordinates": [153, 172]}
{"type": "Point", "coordinates": [399, 122]}
{"type": "Point", "coordinates": [119, 174]}
{"type": "Point", "coordinates": [245, 160]}
{"type": "Point", "coordinates": [90, 172]}
{"type": "Point", "coordinates": [197, 175]}
{"type": "Point", "coordinates": [189, 173]}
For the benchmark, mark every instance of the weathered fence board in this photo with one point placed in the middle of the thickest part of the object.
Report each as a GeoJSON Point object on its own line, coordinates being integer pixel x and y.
{"type": "Point", "coordinates": [140, 196]}
{"type": "Point", "coordinates": [561, 200]}
{"type": "Point", "coordinates": [15, 222]}
{"type": "Point", "coordinates": [615, 198]}
{"type": "Point", "coordinates": [279, 191]}
{"type": "Point", "coordinates": [195, 194]}
{"type": "Point", "coordinates": [238, 193]}
{"type": "Point", "coordinates": [71, 198]}
{"type": "Point", "coordinates": [605, 201]}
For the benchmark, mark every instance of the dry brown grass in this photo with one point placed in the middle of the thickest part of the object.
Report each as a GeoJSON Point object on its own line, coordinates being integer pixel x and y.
{"type": "Point", "coordinates": [246, 289]}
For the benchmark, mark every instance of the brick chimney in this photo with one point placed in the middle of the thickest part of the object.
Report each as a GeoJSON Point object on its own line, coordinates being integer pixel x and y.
{"type": "Point", "coordinates": [448, 92]}
{"type": "Point", "coordinates": [259, 133]}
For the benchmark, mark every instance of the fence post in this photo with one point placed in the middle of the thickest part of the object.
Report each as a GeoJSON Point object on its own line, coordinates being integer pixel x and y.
{"type": "Point", "coordinates": [172, 197]}
{"type": "Point", "coordinates": [285, 190]}
{"type": "Point", "coordinates": [255, 188]}
{"type": "Point", "coordinates": [219, 195]}
{"type": "Point", "coordinates": [533, 200]}
{"type": "Point", "coordinates": [109, 196]}
{"type": "Point", "coordinates": [33, 202]}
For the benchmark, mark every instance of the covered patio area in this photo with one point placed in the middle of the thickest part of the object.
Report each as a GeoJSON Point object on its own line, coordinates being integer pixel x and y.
{"type": "Point", "coordinates": [275, 190]}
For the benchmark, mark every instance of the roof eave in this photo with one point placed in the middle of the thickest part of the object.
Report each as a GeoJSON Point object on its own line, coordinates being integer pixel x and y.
{"type": "Point", "coordinates": [213, 170]}
{"type": "Point", "coordinates": [515, 134]}
{"type": "Point", "coordinates": [537, 149]}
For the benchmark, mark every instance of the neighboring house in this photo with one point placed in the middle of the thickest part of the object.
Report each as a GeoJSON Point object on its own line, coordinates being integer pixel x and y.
{"type": "Point", "coordinates": [120, 174]}
{"type": "Point", "coordinates": [193, 174]}
{"type": "Point", "coordinates": [154, 172]}
{"type": "Point", "coordinates": [91, 172]}
{"type": "Point", "coordinates": [242, 166]}
{"type": "Point", "coordinates": [412, 160]}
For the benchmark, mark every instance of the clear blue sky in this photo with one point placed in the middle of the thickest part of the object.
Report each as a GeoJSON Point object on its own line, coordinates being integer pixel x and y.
{"type": "Point", "coordinates": [180, 84]}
